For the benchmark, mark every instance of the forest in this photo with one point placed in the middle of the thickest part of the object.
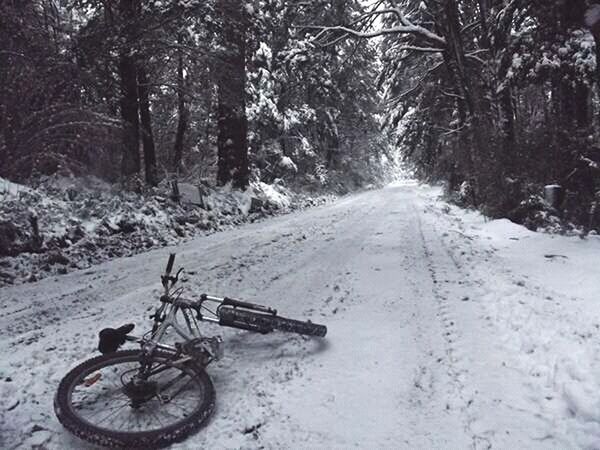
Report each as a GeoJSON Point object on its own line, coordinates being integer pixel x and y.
{"type": "Point", "coordinates": [494, 98]}
{"type": "Point", "coordinates": [300, 224]}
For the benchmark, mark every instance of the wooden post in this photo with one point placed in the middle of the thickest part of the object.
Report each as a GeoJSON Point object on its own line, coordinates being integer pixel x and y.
{"type": "Point", "coordinates": [37, 239]}
{"type": "Point", "coordinates": [553, 195]}
{"type": "Point", "coordinates": [175, 191]}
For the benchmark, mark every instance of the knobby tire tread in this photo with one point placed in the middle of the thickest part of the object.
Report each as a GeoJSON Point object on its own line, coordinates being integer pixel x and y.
{"type": "Point", "coordinates": [149, 439]}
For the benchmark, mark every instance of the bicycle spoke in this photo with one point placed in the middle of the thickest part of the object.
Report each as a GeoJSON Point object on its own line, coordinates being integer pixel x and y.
{"type": "Point", "coordinates": [185, 412]}
{"type": "Point", "coordinates": [182, 388]}
{"type": "Point", "coordinates": [113, 413]}
{"type": "Point", "coordinates": [91, 398]}
{"type": "Point", "coordinates": [165, 410]}
{"type": "Point", "coordinates": [137, 420]}
{"type": "Point", "coordinates": [177, 405]}
{"type": "Point", "coordinates": [111, 408]}
{"type": "Point", "coordinates": [174, 381]}
{"type": "Point", "coordinates": [154, 414]}
{"type": "Point", "coordinates": [125, 420]}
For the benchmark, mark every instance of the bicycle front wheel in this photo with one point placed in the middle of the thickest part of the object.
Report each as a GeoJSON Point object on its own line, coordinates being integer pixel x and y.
{"type": "Point", "coordinates": [265, 323]}
{"type": "Point", "coordinates": [104, 402]}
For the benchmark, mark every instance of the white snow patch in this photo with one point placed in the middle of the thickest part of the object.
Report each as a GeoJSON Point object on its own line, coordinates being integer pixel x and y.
{"type": "Point", "coordinates": [288, 164]}
{"type": "Point", "coordinates": [10, 189]}
{"type": "Point", "coordinates": [272, 195]}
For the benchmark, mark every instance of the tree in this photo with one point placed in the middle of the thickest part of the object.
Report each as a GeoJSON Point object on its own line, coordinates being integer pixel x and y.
{"type": "Point", "coordinates": [312, 106]}
{"type": "Point", "coordinates": [232, 140]}
{"type": "Point", "coordinates": [129, 87]}
{"type": "Point", "coordinates": [182, 112]}
{"type": "Point", "coordinates": [45, 125]}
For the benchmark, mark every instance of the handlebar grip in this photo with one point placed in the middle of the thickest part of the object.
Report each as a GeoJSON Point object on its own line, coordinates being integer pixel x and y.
{"type": "Point", "coordinates": [170, 263]}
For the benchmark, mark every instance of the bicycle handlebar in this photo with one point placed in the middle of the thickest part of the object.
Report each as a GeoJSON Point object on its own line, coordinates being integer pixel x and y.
{"type": "Point", "coordinates": [170, 264]}
{"type": "Point", "coordinates": [226, 301]}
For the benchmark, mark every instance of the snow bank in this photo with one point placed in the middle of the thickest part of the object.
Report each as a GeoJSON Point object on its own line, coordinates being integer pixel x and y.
{"type": "Point", "coordinates": [503, 229]}
{"type": "Point", "coordinates": [273, 194]}
{"type": "Point", "coordinates": [85, 221]}
{"type": "Point", "coordinates": [541, 293]}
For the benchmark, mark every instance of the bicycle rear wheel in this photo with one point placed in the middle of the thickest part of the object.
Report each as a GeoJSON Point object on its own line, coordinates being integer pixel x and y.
{"type": "Point", "coordinates": [265, 323]}
{"type": "Point", "coordinates": [98, 402]}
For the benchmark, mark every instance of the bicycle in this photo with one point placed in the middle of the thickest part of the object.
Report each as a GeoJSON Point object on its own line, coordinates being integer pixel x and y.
{"type": "Point", "coordinates": [160, 393]}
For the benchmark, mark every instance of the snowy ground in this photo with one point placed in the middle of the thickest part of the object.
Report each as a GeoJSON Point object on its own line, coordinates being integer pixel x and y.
{"type": "Point", "coordinates": [445, 331]}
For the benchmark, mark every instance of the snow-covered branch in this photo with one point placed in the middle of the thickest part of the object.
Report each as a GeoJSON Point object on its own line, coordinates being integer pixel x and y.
{"type": "Point", "coordinates": [451, 94]}
{"type": "Point", "coordinates": [406, 26]}
{"type": "Point", "coordinates": [421, 49]}
{"type": "Point", "coordinates": [416, 87]}
{"type": "Point", "coordinates": [475, 57]}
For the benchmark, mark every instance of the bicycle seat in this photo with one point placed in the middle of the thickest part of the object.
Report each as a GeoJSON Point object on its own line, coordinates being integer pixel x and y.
{"type": "Point", "coordinates": [112, 338]}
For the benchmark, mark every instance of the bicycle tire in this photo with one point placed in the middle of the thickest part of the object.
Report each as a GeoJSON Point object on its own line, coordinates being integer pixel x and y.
{"type": "Point", "coordinates": [249, 320]}
{"type": "Point", "coordinates": [154, 438]}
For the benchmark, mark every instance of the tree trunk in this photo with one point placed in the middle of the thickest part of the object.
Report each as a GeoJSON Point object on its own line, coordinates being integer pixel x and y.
{"type": "Point", "coordinates": [597, 42]}
{"type": "Point", "coordinates": [129, 114]}
{"type": "Point", "coordinates": [232, 140]}
{"type": "Point", "coordinates": [482, 159]}
{"type": "Point", "coordinates": [582, 110]}
{"type": "Point", "coordinates": [507, 116]}
{"type": "Point", "coordinates": [6, 125]}
{"type": "Point", "coordinates": [484, 12]}
{"type": "Point", "coordinates": [147, 137]}
{"type": "Point", "coordinates": [507, 111]}
{"type": "Point", "coordinates": [456, 55]}
{"type": "Point", "coordinates": [454, 60]}
{"type": "Point", "coordinates": [129, 99]}
{"type": "Point", "coordinates": [183, 114]}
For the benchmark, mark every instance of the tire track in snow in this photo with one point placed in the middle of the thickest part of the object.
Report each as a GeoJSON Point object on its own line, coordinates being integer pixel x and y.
{"type": "Point", "coordinates": [277, 266]}
{"type": "Point", "coordinates": [446, 314]}
{"type": "Point", "coordinates": [501, 301]}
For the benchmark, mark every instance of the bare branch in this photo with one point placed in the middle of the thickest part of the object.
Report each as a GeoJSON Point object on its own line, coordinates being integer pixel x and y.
{"type": "Point", "coordinates": [9, 52]}
{"type": "Point", "coordinates": [475, 57]}
{"type": "Point", "coordinates": [417, 29]}
{"type": "Point", "coordinates": [372, 14]}
{"type": "Point", "coordinates": [470, 26]}
{"type": "Point", "coordinates": [451, 94]}
{"type": "Point", "coordinates": [421, 49]}
{"type": "Point", "coordinates": [453, 131]}
{"type": "Point", "coordinates": [418, 84]}
{"type": "Point", "coordinates": [343, 31]}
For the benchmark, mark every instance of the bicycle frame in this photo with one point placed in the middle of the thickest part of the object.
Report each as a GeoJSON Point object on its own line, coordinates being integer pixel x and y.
{"type": "Point", "coordinates": [171, 321]}
{"type": "Point", "coordinates": [188, 331]}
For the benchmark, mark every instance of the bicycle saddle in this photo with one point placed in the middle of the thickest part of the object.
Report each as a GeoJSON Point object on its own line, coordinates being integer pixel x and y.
{"type": "Point", "coordinates": [112, 338]}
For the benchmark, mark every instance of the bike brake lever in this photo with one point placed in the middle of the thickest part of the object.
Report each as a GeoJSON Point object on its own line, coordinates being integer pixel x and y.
{"type": "Point", "coordinates": [176, 278]}
{"type": "Point", "coordinates": [167, 278]}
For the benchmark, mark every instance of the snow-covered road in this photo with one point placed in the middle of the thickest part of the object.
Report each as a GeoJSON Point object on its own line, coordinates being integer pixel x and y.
{"type": "Point", "coordinates": [445, 331]}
